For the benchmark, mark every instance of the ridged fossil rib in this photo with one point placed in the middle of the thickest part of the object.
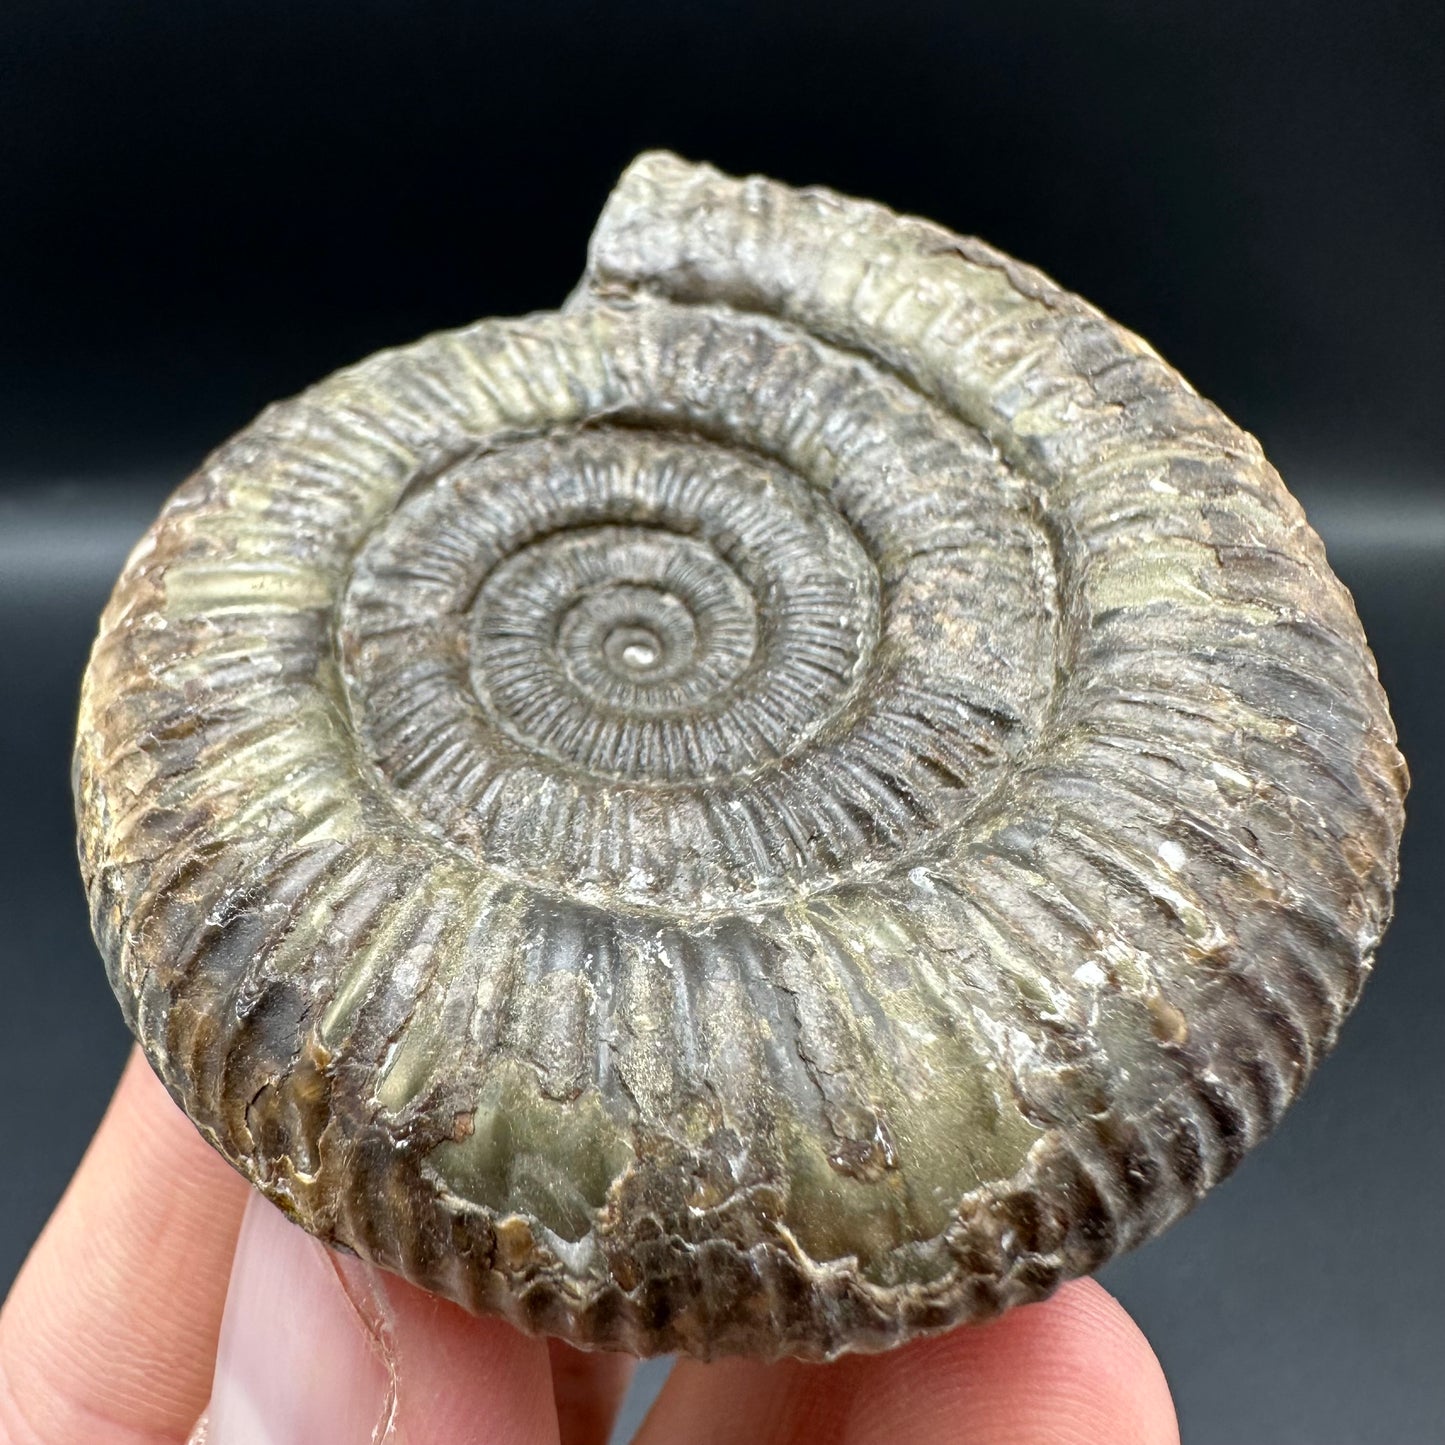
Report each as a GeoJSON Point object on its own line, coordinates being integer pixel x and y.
{"type": "Point", "coordinates": [803, 798]}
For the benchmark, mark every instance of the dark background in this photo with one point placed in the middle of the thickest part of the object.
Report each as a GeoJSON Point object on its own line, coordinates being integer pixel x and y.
{"type": "Point", "coordinates": [204, 206]}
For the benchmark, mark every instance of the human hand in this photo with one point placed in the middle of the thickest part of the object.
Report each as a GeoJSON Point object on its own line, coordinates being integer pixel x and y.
{"type": "Point", "coordinates": [120, 1329]}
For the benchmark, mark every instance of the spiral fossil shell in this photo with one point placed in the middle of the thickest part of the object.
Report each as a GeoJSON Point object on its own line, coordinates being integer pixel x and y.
{"type": "Point", "coordinates": [803, 798]}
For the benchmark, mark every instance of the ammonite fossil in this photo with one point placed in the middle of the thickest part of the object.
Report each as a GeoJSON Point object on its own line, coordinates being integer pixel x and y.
{"type": "Point", "coordinates": [805, 797]}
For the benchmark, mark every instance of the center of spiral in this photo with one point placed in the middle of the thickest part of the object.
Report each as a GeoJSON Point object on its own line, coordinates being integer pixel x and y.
{"type": "Point", "coordinates": [624, 635]}
{"type": "Point", "coordinates": [635, 649]}
{"type": "Point", "coordinates": [580, 637]}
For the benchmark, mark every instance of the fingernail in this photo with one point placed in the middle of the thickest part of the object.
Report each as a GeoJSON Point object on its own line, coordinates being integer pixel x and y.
{"type": "Point", "coordinates": [302, 1359]}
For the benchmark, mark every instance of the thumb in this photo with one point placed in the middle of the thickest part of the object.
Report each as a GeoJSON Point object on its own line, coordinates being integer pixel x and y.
{"type": "Point", "coordinates": [316, 1346]}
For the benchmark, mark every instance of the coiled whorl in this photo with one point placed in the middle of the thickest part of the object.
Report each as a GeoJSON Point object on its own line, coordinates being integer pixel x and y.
{"type": "Point", "coordinates": [804, 798]}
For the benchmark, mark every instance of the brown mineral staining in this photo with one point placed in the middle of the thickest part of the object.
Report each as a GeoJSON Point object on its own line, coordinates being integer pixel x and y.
{"type": "Point", "coordinates": [804, 798]}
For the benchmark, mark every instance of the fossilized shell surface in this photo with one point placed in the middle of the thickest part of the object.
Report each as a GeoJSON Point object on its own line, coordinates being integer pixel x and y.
{"type": "Point", "coordinates": [803, 798]}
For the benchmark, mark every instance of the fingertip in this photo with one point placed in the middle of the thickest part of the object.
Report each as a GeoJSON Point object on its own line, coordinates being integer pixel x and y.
{"type": "Point", "coordinates": [1074, 1369]}
{"type": "Point", "coordinates": [463, 1378]}
{"type": "Point", "coordinates": [588, 1388]}
{"type": "Point", "coordinates": [317, 1346]}
{"type": "Point", "coordinates": [1098, 1341]}
{"type": "Point", "coordinates": [298, 1360]}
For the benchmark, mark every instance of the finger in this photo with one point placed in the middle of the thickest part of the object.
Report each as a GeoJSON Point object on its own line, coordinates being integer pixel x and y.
{"type": "Point", "coordinates": [1074, 1370]}
{"type": "Point", "coordinates": [464, 1380]}
{"type": "Point", "coordinates": [297, 1359]}
{"type": "Point", "coordinates": [588, 1389]}
{"type": "Point", "coordinates": [109, 1333]}
{"type": "Point", "coordinates": [318, 1347]}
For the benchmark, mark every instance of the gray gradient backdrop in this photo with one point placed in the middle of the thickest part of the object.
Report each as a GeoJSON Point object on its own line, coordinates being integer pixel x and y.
{"type": "Point", "coordinates": [205, 207]}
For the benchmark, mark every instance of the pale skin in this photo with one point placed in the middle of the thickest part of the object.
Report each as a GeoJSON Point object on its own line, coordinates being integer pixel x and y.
{"type": "Point", "coordinates": [109, 1337]}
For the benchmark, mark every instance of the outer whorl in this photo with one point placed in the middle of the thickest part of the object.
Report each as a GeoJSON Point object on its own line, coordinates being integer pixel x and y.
{"type": "Point", "coordinates": [806, 797]}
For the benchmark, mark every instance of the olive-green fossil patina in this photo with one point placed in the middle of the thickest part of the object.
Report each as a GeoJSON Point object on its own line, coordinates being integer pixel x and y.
{"type": "Point", "coordinates": [803, 798]}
